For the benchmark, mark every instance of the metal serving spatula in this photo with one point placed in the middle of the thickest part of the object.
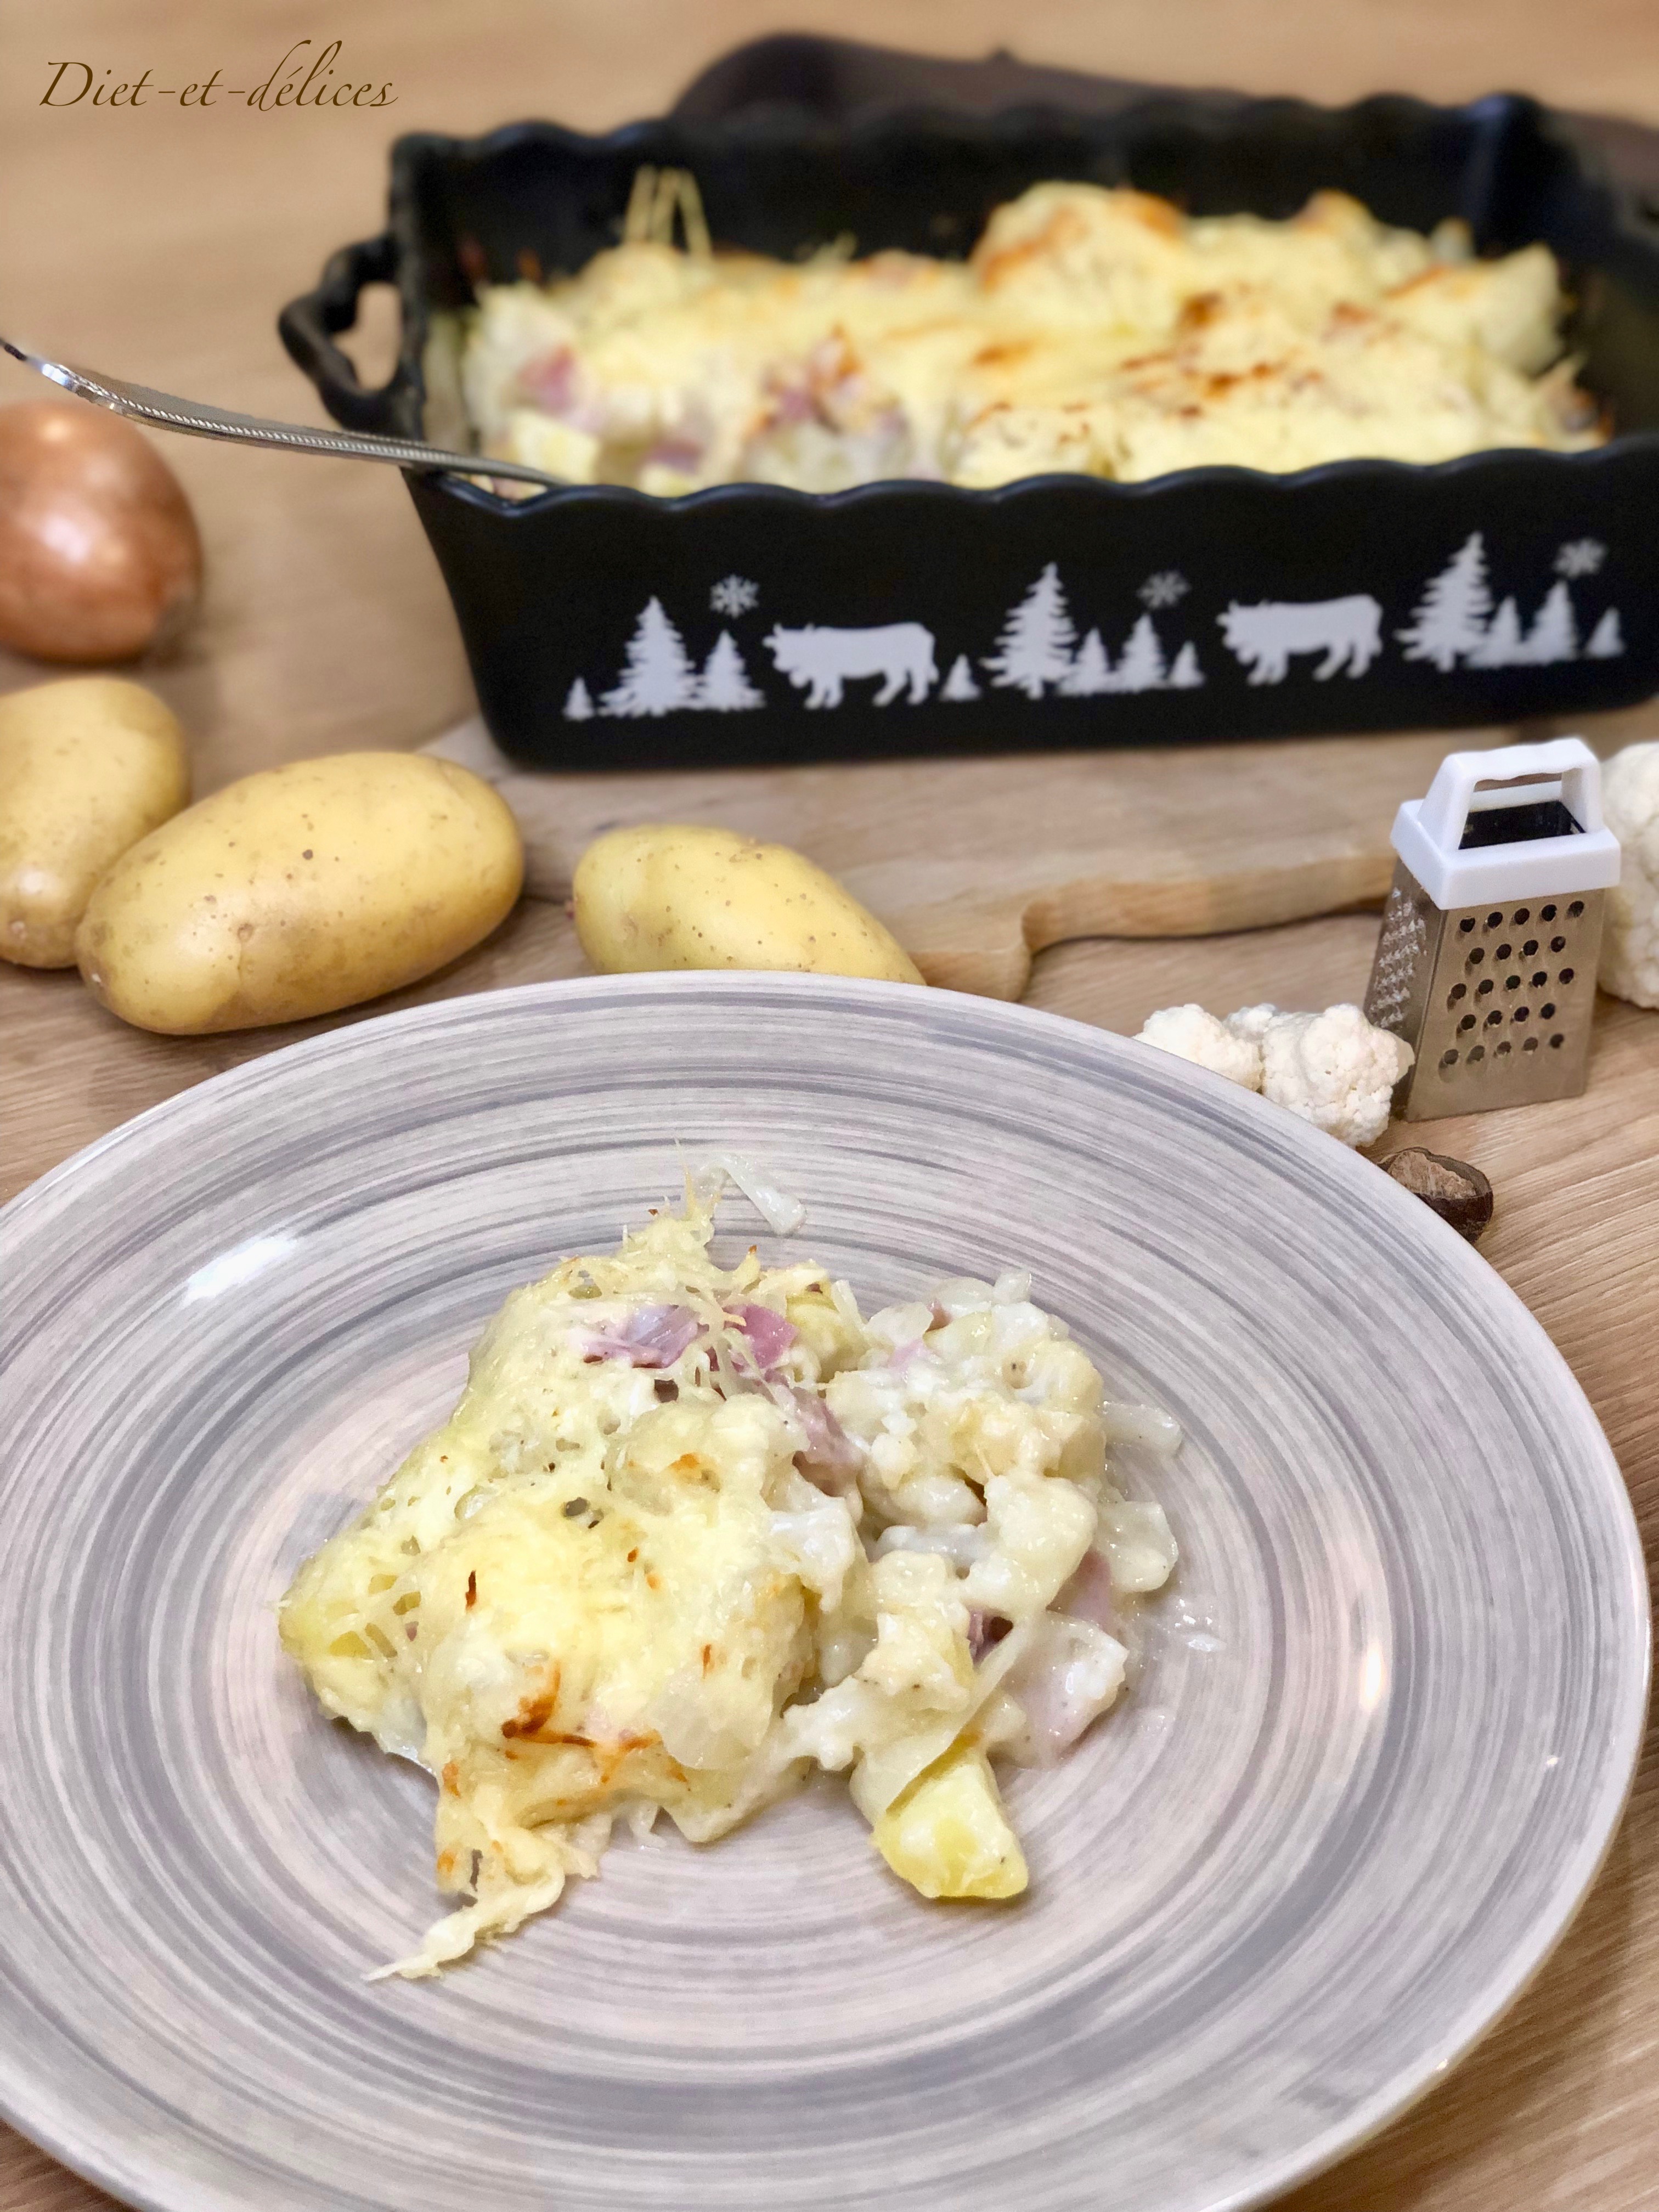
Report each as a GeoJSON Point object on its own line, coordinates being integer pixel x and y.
{"type": "Point", "coordinates": [193, 420]}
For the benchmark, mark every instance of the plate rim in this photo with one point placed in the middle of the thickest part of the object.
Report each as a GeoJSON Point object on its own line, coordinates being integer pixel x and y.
{"type": "Point", "coordinates": [152, 2186]}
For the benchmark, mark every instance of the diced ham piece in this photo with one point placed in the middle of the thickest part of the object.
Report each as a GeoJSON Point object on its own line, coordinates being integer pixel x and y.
{"type": "Point", "coordinates": [1069, 1673]}
{"type": "Point", "coordinates": [677, 451]}
{"type": "Point", "coordinates": [794, 405]}
{"type": "Point", "coordinates": [831, 1460]}
{"type": "Point", "coordinates": [1089, 1596]}
{"type": "Point", "coordinates": [550, 382]}
{"type": "Point", "coordinates": [769, 1334]}
{"type": "Point", "coordinates": [985, 1630]}
{"type": "Point", "coordinates": [649, 1336]}
{"type": "Point", "coordinates": [902, 1354]}
{"type": "Point", "coordinates": [823, 384]}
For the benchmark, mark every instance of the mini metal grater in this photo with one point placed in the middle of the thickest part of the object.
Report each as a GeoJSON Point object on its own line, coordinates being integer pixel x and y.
{"type": "Point", "coordinates": [1486, 959]}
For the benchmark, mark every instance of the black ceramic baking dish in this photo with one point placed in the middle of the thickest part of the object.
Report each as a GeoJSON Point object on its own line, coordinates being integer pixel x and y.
{"type": "Point", "coordinates": [1358, 595]}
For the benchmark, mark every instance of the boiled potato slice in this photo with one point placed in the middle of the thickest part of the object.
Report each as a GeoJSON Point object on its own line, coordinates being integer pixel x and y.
{"type": "Point", "coordinates": [947, 1834]}
{"type": "Point", "coordinates": [87, 768]}
{"type": "Point", "coordinates": [299, 890]}
{"type": "Point", "coordinates": [687, 896]}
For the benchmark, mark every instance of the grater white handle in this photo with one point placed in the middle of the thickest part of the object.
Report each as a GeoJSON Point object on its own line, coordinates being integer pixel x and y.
{"type": "Point", "coordinates": [1444, 813]}
{"type": "Point", "coordinates": [1428, 833]}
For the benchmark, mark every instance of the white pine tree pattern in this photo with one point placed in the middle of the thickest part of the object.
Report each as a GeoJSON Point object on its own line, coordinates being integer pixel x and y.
{"type": "Point", "coordinates": [659, 677]}
{"type": "Point", "coordinates": [1607, 639]}
{"type": "Point", "coordinates": [1503, 646]}
{"type": "Point", "coordinates": [959, 684]}
{"type": "Point", "coordinates": [1554, 634]}
{"type": "Point", "coordinates": [578, 703]}
{"type": "Point", "coordinates": [1140, 666]}
{"type": "Point", "coordinates": [1034, 648]}
{"type": "Point", "coordinates": [1186, 675]}
{"type": "Point", "coordinates": [1449, 621]}
{"type": "Point", "coordinates": [1090, 672]}
{"type": "Point", "coordinates": [724, 685]}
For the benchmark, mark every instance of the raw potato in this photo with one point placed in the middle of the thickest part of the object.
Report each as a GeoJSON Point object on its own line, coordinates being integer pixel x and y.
{"type": "Point", "coordinates": [305, 889]}
{"type": "Point", "coordinates": [669, 895]}
{"type": "Point", "coordinates": [87, 768]}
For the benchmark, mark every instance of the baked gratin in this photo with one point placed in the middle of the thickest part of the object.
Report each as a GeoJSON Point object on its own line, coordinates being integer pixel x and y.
{"type": "Point", "coordinates": [692, 1531]}
{"type": "Point", "coordinates": [1091, 330]}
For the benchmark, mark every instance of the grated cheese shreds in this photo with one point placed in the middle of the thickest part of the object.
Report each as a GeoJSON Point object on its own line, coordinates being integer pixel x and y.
{"type": "Point", "coordinates": [782, 1214]}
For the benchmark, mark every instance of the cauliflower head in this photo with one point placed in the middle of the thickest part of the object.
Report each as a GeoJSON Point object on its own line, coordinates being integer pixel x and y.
{"type": "Point", "coordinates": [1630, 943]}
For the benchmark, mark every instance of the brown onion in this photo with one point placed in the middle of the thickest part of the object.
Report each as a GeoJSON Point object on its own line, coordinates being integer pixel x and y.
{"type": "Point", "coordinates": [100, 557]}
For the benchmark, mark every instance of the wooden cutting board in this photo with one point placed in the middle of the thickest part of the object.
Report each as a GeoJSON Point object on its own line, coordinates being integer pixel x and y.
{"type": "Point", "coordinates": [1033, 849]}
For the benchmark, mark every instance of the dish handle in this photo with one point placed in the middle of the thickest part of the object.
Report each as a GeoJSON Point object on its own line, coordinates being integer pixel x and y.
{"type": "Point", "coordinates": [308, 326]}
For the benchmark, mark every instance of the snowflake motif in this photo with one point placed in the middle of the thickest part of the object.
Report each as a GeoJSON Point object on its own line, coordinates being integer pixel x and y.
{"type": "Point", "coordinates": [1166, 589]}
{"type": "Point", "coordinates": [1580, 557]}
{"type": "Point", "coordinates": [733, 595]}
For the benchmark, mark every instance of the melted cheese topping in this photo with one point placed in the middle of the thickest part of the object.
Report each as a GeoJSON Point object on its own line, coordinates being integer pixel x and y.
{"type": "Point", "coordinates": [1090, 330]}
{"type": "Point", "coordinates": [690, 1531]}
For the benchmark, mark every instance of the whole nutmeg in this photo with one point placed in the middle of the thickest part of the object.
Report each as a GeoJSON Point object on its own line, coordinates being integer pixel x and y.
{"type": "Point", "coordinates": [1459, 1194]}
{"type": "Point", "coordinates": [100, 556]}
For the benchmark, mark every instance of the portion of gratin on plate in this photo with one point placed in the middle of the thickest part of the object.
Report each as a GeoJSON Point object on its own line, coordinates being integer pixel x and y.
{"type": "Point", "coordinates": [691, 1531]}
{"type": "Point", "coordinates": [1090, 330]}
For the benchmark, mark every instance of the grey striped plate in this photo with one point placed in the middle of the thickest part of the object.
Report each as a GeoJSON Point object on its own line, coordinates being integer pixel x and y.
{"type": "Point", "coordinates": [1386, 1723]}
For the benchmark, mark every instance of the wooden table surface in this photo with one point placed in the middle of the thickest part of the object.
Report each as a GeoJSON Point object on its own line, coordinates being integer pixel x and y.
{"type": "Point", "coordinates": [158, 244]}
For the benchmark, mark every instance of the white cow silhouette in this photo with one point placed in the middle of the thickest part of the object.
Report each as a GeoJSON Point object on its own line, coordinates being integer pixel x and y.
{"type": "Point", "coordinates": [1348, 632]}
{"type": "Point", "coordinates": [818, 661]}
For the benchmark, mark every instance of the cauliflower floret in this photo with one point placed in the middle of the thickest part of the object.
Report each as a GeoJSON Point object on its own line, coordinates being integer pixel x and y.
{"type": "Point", "coordinates": [542, 443]}
{"type": "Point", "coordinates": [1251, 1023]}
{"type": "Point", "coordinates": [1002, 442]}
{"type": "Point", "coordinates": [1039, 1533]}
{"type": "Point", "coordinates": [1630, 947]}
{"type": "Point", "coordinates": [1334, 1069]}
{"type": "Point", "coordinates": [921, 1633]}
{"type": "Point", "coordinates": [1140, 1546]}
{"type": "Point", "coordinates": [1193, 1035]}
